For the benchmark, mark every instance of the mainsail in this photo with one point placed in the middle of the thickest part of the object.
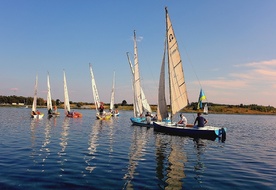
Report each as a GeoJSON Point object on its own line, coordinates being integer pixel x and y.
{"type": "Point", "coordinates": [177, 85]}
{"type": "Point", "coordinates": [162, 110]}
{"type": "Point", "coordinates": [66, 96]}
{"type": "Point", "coordinates": [112, 94]}
{"type": "Point", "coordinates": [94, 89]}
{"type": "Point", "coordinates": [137, 84]}
{"type": "Point", "coordinates": [140, 102]}
{"type": "Point", "coordinates": [49, 97]}
{"type": "Point", "coordinates": [35, 95]}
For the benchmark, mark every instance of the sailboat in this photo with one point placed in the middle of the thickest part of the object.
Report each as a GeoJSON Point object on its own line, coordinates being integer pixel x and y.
{"type": "Point", "coordinates": [178, 93]}
{"type": "Point", "coordinates": [140, 104]}
{"type": "Point", "coordinates": [36, 114]}
{"type": "Point", "coordinates": [205, 109]}
{"type": "Point", "coordinates": [67, 109]}
{"type": "Point", "coordinates": [112, 99]}
{"type": "Point", "coordinates": [98, 103]}
{"type": "Point", "coordinates": [49, 100]}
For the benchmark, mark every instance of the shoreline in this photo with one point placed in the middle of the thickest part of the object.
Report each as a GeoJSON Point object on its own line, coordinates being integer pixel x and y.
{"type": "Point", "coordinates": [217, 110]}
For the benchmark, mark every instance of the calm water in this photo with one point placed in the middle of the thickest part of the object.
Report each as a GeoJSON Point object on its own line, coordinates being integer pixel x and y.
{"type": "Point", "coordinates": [64, 153]}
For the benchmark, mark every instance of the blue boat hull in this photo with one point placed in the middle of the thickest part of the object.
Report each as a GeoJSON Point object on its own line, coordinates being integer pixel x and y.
{"type": "Point", "coordinates": [141, 121]}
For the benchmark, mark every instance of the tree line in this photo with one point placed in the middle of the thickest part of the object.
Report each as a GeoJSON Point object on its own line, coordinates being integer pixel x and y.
{"type": "Point", "coordinates": [40, 101]}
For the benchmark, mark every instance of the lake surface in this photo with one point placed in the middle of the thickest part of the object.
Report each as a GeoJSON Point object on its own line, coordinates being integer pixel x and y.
{"type": "Point", "coordinates": [66, 153]}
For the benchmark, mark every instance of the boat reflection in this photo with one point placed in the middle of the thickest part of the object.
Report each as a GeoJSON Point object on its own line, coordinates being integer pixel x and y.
{"type": "Point", "coordinates": [170, 159]}
{"type": "Point", "coordinates": [140, 138]}
{"type": "Point", "coordinates": [93, 144]}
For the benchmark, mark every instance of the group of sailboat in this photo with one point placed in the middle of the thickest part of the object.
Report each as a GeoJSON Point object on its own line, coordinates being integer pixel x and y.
{"type": "Point", "coordinates": [100, 114]}
{"type": "Point", "coordinates": [178, 93]}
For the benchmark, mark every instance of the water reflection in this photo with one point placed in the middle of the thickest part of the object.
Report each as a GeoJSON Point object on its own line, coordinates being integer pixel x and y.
{"type": "Point", "coordinates": [140, 138]}
{"type": "Point", "coordinates": [170, 159]}
{"type": "Point", "coordinates": [45, 148]}
{"type": "Point", "coordinates": [199, 146]}
{"type": "Point", "coordinates": [64, 142]}
{"type": "Point", "coordinates": [93, 144]}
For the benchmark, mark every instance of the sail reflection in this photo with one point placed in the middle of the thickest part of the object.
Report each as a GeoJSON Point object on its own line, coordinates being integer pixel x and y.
{"type": "Point", "coordinates": [170, 159]}
{"type": "Point", "coordinates": [137, 151]}
{"type": "Point", "coordinates": [45, 148]}
{"type": "Point", "coordinates": [64, 141]}
{"type": "Point", "coordinates": [33, 126]}
{"type": "Point", "coordinates": [93, 144]}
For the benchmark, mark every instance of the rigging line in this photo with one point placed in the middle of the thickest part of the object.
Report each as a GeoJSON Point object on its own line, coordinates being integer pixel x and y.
{"type": "Point", "coordinates": [189, 60]}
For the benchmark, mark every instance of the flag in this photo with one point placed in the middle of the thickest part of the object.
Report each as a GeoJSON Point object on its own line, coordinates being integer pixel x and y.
{"type": "Point", "coordinates": [200, 98]}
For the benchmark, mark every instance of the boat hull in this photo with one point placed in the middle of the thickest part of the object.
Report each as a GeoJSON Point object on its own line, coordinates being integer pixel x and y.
{"type": "Point", "coordinates": [141, 121]}
{"type": "Point", "coordinates": [103, 117]}
{"type": "Point", "coordinates": [207, 132]}
{"type": "Point", "coordinates": [74, 115]}
{"type": "Point", "coordinates": [40, 116]}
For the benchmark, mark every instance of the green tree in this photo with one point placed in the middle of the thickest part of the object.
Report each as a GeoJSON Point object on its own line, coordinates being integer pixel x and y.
{"type": "Point", "coordinates": [124, 103]}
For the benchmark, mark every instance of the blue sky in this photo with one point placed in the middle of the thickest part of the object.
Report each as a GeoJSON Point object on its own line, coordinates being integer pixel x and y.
{"type": "Point", "coordinates": [230, 46]}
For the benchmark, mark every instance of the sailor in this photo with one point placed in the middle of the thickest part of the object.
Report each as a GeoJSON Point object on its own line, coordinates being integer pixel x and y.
{"type": "Point", "coordinates": [201, 121]}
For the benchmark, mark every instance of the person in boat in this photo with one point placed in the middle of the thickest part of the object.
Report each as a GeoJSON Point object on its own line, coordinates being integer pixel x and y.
{"type": "Point", "coordinates": [148, 117]}
{"type": "Point", "coordinates": [201, 121]}
{"type": "Point", "coordinates": [37, 112]}
{"type": "Point", "coordinates": [183, 120]}
{"type": "Point", "coordinates": [33, 113]}
{"type": "Point", "coordinates": [50, 111]}
{"type": "Point", "coordinates": [70, 114]}
{"type": "Point", "coordinates": [154, 118]}
{"type": "Point", "coordinates": [101, 109]}
{"type": "Point", "coordinates": [55, 109]}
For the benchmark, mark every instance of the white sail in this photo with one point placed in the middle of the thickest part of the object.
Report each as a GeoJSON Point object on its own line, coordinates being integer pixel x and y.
{"type": "Point", "coordinates": [35, 95]}
{"type": "Point", "coordinates": [162, 111]}
{"type": "Point", "coordinates": [205, 109]}
{"type": "Point", "coordinates": [137, 84]}
{"type": "Point", "coordinates": [139, 95]}
{"type": "Point", "coordinates": [49, 97]}
{"type": "Point", "coordinates": [66, 96]}
{"type": "Point", "coordinates": [178, 91]}
{"type": "Point", "coordinates": [177, 85]}
{"type": "Point", "coordinates": [94, 89]}
{"type": "Point", "coordinates": [112, 94]}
